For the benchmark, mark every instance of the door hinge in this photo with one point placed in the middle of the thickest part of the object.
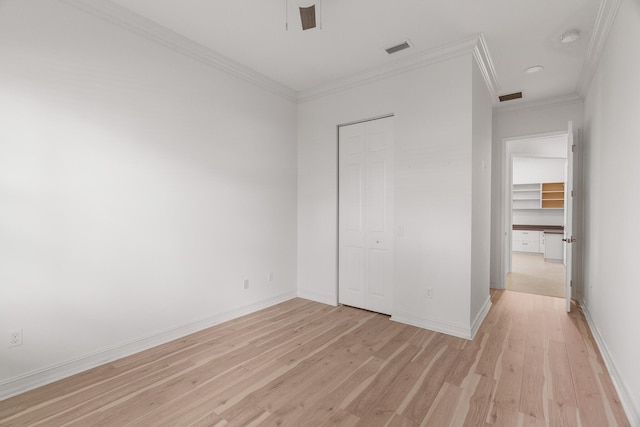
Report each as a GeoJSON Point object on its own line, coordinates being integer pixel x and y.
{"type": "Point", "coordinates": [573, 148]}
{"type": "Point", "coordinates": [571, 283]}
{"type": "Point", "coordinates": [571, 193]}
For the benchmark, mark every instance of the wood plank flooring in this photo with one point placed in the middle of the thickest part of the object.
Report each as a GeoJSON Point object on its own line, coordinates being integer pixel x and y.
{"type": "Point", "coordinates": [302, 363]}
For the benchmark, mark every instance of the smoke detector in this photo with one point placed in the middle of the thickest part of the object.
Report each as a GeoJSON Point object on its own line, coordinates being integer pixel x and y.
{"type": "Point", "coordinates": [570, 36]}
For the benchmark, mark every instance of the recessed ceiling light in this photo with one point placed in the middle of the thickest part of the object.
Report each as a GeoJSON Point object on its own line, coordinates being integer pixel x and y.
{"type": "Point", "coordinates": [534, 69]}
{"type": "Point", "coordinates": [570, 36]}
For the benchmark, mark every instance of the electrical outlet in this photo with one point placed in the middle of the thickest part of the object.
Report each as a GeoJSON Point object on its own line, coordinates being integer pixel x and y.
{"type": "Point", "coordinates": [429, 292]}
{"type": "Point", "coordinates": [270, 277]}
{"type": "Point", "coordinates": [15, 337]}
{"type": "Point", "coordinates": [246, 283]}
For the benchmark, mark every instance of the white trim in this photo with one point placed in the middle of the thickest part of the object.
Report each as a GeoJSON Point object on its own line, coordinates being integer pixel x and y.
{"type": "Point", "coordinates": [31, 380]}
{"type": "Point", "coordinates": [483, 59]}
{"type": "Point", "coordinates": [131, 21]}
{"type": "Point", "coordinates": [370, 119]}
{"type": "Point", "coordinates": [534, 136]}
{"type": "Point", "coordinates": [506, 199]}
{"type": "Point", "coordinates": [321, 298]}
{"type": "Point", "coordinates": [546, 102]}
{"type": "Point", "coordinates": [480, 317]}
{"type": "Point", "coordinates": [475, 45]}
{"type": "Point", "coordinates": [633, 412]}
{"type": "Point", "coordinates": [460, 331]}
{"type": "Point", "coordinates": [496, 285]}
{"type": "Point", "coordinates": [604, 21]}
{"type": "Point", "coordinates": [506, 207]}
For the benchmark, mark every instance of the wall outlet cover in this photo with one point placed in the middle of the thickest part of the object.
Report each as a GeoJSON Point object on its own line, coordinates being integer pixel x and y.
{"type": "Point", "coordinates": [15, 337]}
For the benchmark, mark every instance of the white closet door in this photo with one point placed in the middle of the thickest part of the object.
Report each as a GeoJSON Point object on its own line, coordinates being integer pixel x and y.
{"type": "Point", "coordinates": [366, 215]}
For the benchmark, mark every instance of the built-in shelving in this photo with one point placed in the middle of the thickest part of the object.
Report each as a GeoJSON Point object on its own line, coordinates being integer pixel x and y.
{"type": "Point", "coordinates": [526, 196]}
{"type": "Point", "coordinates": [553, 195]}
{"type": "Point", "coordinates": [547, 195]}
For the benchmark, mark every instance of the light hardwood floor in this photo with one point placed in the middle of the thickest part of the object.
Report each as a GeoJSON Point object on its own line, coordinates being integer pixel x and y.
{"type": "Point", "coordinates": [533, 275]}
{"type": "Point", "coordinates": [302, 363]}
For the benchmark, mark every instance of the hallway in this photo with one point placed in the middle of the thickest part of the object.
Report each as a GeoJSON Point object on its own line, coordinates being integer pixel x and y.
{"type": "Point", "coordinates": [531, 274]}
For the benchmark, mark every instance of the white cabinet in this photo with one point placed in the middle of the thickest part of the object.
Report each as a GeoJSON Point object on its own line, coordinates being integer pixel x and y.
{"type": "Point", "coordinates": [534, 241]}
{"type": "Point", "coordinates": [525, 241]}
{"type": "Point", "coordinates": [553, 249]}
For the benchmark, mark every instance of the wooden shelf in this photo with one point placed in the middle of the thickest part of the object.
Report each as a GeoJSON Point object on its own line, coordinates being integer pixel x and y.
{"type": "Point", "coordinates": [553, 195]}
{"type": "Point", "coordinates": [553, 186]}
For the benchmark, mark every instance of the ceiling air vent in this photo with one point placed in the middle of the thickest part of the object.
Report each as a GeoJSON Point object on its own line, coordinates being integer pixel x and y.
{"type": "Point", "coordinates": [308, 17]}
{"type": "Point", "coordinates": [510, 96]}
{"type": "Point", "coordinates": [397, 48]}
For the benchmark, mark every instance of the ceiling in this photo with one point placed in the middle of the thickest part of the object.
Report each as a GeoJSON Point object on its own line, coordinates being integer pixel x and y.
{"type": "Point", "coordinates": [354, 34]}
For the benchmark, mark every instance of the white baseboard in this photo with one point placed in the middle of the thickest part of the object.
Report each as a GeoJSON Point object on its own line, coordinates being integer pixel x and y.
{"type": "Point", "coordinates": [461, 331]}
{"type": "Point", "coordinates": [480, 317]}
{"type": "Point", "coordinates": [322, 298]}
{"type": "Point", "coordinates": [632, 411]}
{"type": "Point", "coordinates": [29, 381]}
{"type": "Point", "coordinates": [446, 328]}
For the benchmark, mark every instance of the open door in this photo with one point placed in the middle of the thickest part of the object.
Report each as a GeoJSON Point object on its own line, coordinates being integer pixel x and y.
{"type": "Point", "coordinates": [568, 238]}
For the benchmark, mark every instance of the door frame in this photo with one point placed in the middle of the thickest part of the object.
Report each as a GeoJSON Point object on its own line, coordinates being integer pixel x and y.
{"type": "Point", "coordinates": [354, 122]}
{"type": "Point", "coordinates": [505, 202]}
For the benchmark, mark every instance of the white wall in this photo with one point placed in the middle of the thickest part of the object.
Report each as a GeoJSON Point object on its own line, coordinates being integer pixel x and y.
{"type": "Point", "coordinates": [481, 197]}
{"type": "Point", "coordinates": [511, 123]}
{"type": "Point", "coordinates": [612, 205]}
{"type": "Point", "coordinates": [537, 170]}
{"type": "Point", "coordinates": [138, 188]}
{"type": "Point", "coordinates": [433, 192]}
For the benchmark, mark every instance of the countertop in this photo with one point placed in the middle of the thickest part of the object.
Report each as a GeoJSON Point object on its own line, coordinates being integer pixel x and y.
{"type": "Point", "coordinates": [548, 229]}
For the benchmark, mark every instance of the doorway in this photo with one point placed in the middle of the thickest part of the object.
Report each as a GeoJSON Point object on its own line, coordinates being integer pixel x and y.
{"type": "Point", "coordinates": [536, 194]}
{"type": "Point", "coordinates": [365, 215]}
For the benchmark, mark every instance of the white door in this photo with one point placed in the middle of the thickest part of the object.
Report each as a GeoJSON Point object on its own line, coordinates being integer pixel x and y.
{"type": "Point", "coordinates": [568, 216]}
{"type": "Point", "coordinates": [365, 248]}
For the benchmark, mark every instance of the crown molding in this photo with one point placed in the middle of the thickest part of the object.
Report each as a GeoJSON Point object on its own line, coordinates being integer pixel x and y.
{"type": "Point", "coordinates": [604, 21]}
{"type": "Point", "coordinates": [483, 59]}
{"type": "Point", "coordinates": [128, 20]}
{"type": "Point", "coordinates": [131, 21]}
{"type": "Point", "coordinates": [572, 98]}
{"type": "Point", "coordinates": [475, 45]}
